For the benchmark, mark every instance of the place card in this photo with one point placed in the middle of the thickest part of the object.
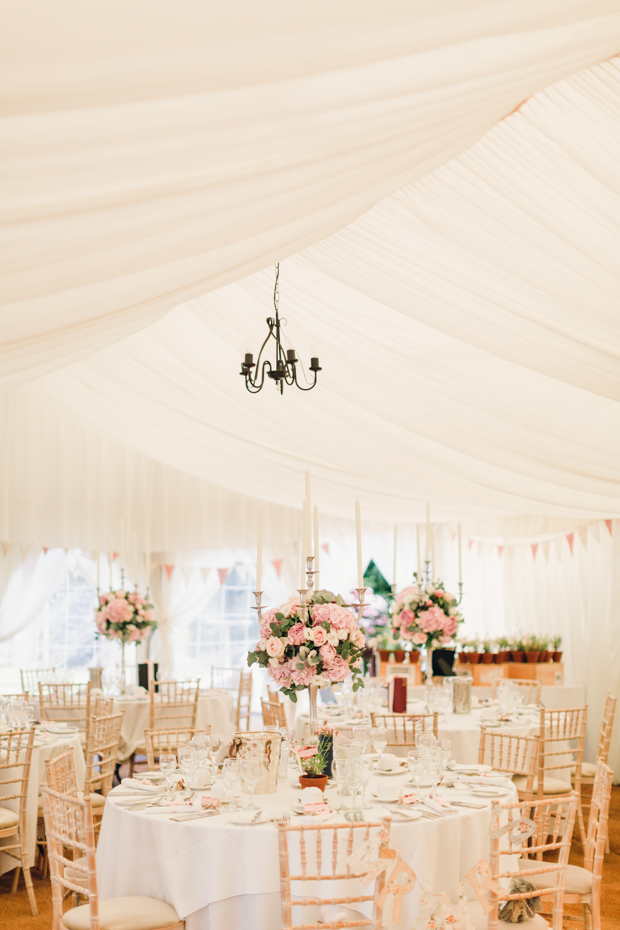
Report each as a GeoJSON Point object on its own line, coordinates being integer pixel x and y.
{"type": "Point", "coordinates": [410, 798]}
{"type": "Point", "coordinates": [318, 807]}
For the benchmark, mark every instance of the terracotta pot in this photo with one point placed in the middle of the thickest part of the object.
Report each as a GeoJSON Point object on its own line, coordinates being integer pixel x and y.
{"type": "Point", "coordinates": [531, 656]}
{"type": "Point", "coordinates": [544, 656]}
{"type": "Point", "coordinates": [464, 657]}
{"type": "Point", "coordinates": [474, 657]}
{"type": "Point", "coordinates": [313, 781]}
{"type": "Point", "coordinates": [506, 655]}
{"type": "Point", "coordinates": [517, 656]}
{"type": "Point", "coordinates": [499, 658]}
{"type": "Point", "coordinates": [486, 658]}
{"type": "Point", "coordinates": [557, 656]}
{"type": "Point", "coordinates": [384, 655]}
{"type": "Point", "coordinates": [414, 656]}
{"type": "Point", "coordinates": [399, 655]}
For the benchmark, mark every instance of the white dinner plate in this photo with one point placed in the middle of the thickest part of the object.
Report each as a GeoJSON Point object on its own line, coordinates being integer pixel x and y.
{"type": "Point", "coordinates": [384, 800]}
{"type": "Point", "coordinates": [401, 770]}
{"type": "Point", "coordinates": [475, 767]}
{"type": "Point", "coordinates": [244, 818]}
{"type": "Point", "coordinates": [489, 792]}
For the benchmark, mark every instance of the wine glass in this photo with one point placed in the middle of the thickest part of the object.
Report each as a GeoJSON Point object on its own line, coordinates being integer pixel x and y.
{"type": "Point", "coordinates": [415, 764]}
{"type": "Point", "coordinates": [28, 714]}
{"type": "Point", "coordinates": [201, 743]}
{"type": "Point", "coordinates": [168, 768]}
{"type": "Point", "coordinates": [188, 763]}
{"type": "Point", "coordinates": [379, 739]}
{"type": "Point", "coordinates": [425, 740]}
{"type": "Point", "coordinates": [230, 779]}
{"type": "Point", "coordinates": [353, 779]}
{"type": "Point", "coordinates": [434, 767]}
{"type": "Point", "coordinates": [338, 767]}
{"type": "Point", "coordinates": [250, 772]}
{"type": "Point", "coordinates": [446, 748]}
{"type": "Point", "coordinates": [216, 745]}
{"type": "Point", "coordinates": [367, 772]}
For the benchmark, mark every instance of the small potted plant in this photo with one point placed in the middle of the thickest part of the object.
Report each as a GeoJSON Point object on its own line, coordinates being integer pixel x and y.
{"type": "Point", "coordinates": [556, 642]}
{"type": "Point", "coordinates": [531, 647]}
{"type": "Point", "coordinates": [516, 650]}
{"type": "Point", "coordinates": [545, 655]}
{"type": "Point", "coordinates": [474, 653]}
{"type": "Point", "coordinates": [503, 651]}
{"type": "Point", "coordinates": [313, 761]}
{"type": "Point", "coordinates": [487, 655]}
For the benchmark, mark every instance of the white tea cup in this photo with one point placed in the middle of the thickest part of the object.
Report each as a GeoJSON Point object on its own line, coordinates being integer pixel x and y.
{"type": "Point", "coordinates": [388, 792]}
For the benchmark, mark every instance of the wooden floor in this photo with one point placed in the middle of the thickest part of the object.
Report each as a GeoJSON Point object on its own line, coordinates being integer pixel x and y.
{"type": "Point", "coordinates": [15, 912]}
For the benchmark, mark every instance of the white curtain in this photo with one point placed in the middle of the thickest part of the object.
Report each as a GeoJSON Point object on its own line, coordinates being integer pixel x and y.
{"type": "Point", "coordinates": [27, 586]}
{"type": "Point", "coordinates": [151, 157]}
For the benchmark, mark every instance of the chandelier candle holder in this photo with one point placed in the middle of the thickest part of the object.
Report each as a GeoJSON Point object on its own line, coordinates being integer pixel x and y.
{"type": "Point", "coordinates": [309, 642]}
{"type": "Point", "coordinates": [284, 368]}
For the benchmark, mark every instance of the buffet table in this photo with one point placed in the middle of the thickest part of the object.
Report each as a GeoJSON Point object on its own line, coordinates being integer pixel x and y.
{"type": "Point", "coordinates": [218, 874]}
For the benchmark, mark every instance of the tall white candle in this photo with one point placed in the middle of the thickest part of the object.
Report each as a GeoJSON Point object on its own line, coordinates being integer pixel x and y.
{"type": "Point", "coordinates": [358, 534]}
{"type": "Point", "coordinates": [417, 533]}
{"type": "Point", "coordinates": [316, 546]}
{"type": "Point", "coordinates": [98, 563]}
{"type": "Point", "coordinates": [135, 560]}
{"type": "Point", "coordinates": [433, 562]}
{"type": "Point", "coordinates": [395, 545]}
{"type": "Point", "coordinates": [122, 545]}
{"type": "Point", "coordinates": [305, 523]}
{"type": "Point", "coordinates": [110, 561]}
{"type": "Point", "coordinates": [428, 531]}
{"type": "Point", "coordinates": [308, 488]}
{"type": "Point", "coordinates": [148, 562]}
{"type": "Point", "coordinates": [460, 557]}
{"type": "Point", "coordinates": [259, 547]}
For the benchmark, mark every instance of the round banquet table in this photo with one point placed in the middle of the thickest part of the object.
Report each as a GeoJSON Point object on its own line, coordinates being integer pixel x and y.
{"type": "Point", "coordinates": [46, 746]}
{"type": "Point", "coordinates": [218, 874]}
{"type": "Point", "coordinates": [215, 709]}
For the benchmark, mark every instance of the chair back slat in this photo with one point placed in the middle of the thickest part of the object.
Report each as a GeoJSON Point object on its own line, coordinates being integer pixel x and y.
{"type": "Point", "coordinates": [66, 703]}
{"type": "Point", "coordinates": [244, 701]}
{"type": "Point", "coordinates": [530, 690]}
{"type": "Point", "coordinates": [515, 755]}
{"type": "Point", "coordinates": [169, 740]}
{"type": "Point", "coordinates": [403, 728]}
{"type": "Point", "coordinates": [274, 714]}
{"type": "Point", "coordinates": [101, 753]}
{"type": "Point", "coordinates": [598, 821]}
{"type": "Point", "coordinates": [31, 678]}
{"type": "Point", "coordinates": [60, 773]}
{"type": "Point", "coordinates": [103, 706]}
{"type": "Point", "coordinates": [175, 704]}
{"type": "Point", "coordinates": [607, 725]}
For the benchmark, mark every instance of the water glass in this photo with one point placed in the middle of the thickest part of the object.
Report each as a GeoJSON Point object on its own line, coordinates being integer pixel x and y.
{"type": "Point", "coordinates": [250, 772]}
{"type": "Point", "coordinates": [353, 779]}
{"type": "Point", "coordinates": [379, 739]}
{"type": "Point", "coordinates": [434, 766]}
{"type": "Point", "coordinates": [230, 781]}
{"type": "Point", "coordinates": [201, 743]}
{"type": "Point", "coordinates": [446, 748]}
{"type": "Point", "coordinates": [28, 713]}
{"type": "Point", "coordinates": [216, 745]}
{"type": "Point", "coordinates": [415, 764]}
{"type": "Point", "coordinates": [168, 768]}
{"type": "Point", "coordinates": [188, 764]}
{"type": "Point", "coordinates": [425, 740]}
{"type": "Point", "coordinates": [367, 772]}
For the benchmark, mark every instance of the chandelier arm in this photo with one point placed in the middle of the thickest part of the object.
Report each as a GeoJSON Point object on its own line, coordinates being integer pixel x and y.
{"type": "Point", "coordinates": [256, 385]}
{"type": "Point", "coordinates": [310, 386]}
{"type": "Point", "coordinates": [270, 324]}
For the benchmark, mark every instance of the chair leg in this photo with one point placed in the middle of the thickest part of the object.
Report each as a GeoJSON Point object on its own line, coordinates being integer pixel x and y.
{"type": "Point", "coordinates": [607, 849]}
{"type": "Point", "coordinates": [582, 829]}
{"type": "Point", "coordinates": [29, 886]}
{"type": "Point", "coordinates": [587, 918]}
{"type": "Point", "coordinates": [132, 762]}
{"type": "Point", "coordinates": [15, 879]}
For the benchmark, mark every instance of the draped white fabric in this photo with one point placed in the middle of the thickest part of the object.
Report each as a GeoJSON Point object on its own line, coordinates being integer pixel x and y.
{"type": "Point", "coordinates": [469, 340]}
{"type": "Point", "coordinates": [150, 157]}
{"type": "Point", "coordinates": [27, 585]}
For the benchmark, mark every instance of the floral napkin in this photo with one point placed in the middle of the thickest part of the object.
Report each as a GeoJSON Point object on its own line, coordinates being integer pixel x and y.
{"type": "Point", "coordinates": [140, 784]}
{"type": "Point", "coordinates": [437, 804]}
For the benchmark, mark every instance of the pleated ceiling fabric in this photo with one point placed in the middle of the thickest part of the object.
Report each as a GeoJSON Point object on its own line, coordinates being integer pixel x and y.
{"type": "Point", "coordinates": [153, 153]}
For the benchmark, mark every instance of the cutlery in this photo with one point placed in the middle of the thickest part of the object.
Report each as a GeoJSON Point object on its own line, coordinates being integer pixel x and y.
{"type": "Point", "coordinates": [468, 804]}
{"type": "Point", "coordinates": [256, 816]}
{"type": "Point", "coordinates": [197, 816]}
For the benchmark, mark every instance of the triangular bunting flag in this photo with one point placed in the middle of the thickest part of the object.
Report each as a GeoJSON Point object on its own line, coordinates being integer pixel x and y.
{"type": "Point", "coordinates": [187, 572]}
{"type": "Point", "coordinates": [168, 570]}
{"type": "Point", "coordinates": [277, 563]}
{"type": "Point", "coordinates": [223, 573]}
{"type": "Point", "coordinates": [500, 549]}
{"type": "Point", "coordinates": [470, 543]}
{"type": "Point", "coordinates": [325, 547]}
{"type": "Point", "coordinates": [594, 529]}
{"type": "Point", "coordinates": [5, 548]}
{"type": "Point", "coordinates": [608, 525]}
{"type": "Point", "coordinates": [570, 538]}
{"type": "Point", "coordinates": [45, 548]}
{"type": "Point", "coordinates": [205, 573]}
{"type": "Point", "coordinates": [583, 536]}
{"type": "Point", "coordinates": [534, 549]}
{"type": "Point", "coordinates": [114, 555]}
{"type": "Point", "coordinates": [545, 548]}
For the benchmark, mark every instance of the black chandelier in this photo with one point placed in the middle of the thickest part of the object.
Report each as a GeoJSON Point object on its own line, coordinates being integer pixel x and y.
{"type": "Point", "coordinates": [285, 369]}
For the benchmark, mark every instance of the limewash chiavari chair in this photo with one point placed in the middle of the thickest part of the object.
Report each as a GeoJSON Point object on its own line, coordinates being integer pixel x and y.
{"type": "Point", "coordinates": [584, 883]}
{"type": "Point", "coordinates": [403, 728]}
{"type": "Point", "coordinates": [103, 706]}
{"type": "Point", "coordinates": [66, 703]}
{"type": "Point", "coordinates": [21, 696]}
{"type": "Point", "coordinates": [101, 753]}
{"type": "Point", "coordinates": [244, 701]}
{"type": "Point", "coordinates": [515, 755]}
{"type": "Point", "coordinates": [274, 714]}
{"type": "Point", "coordinates": [562, 739]}
{"type": "Point", "coordinates": [174, 705]}
{"type": "Point", "coordinates": [273, 696]}
{"type": "Point", "coordinates": [69, 825]}
{"type": "Point", "coordinates": [15, 758]}
{"type": "Point", "coordinates": [530, 691]}
{"type": "Point", "coordinates": [169, 740]}
{"type": "Point", "coordinates": [322, 851]}
{"type": "Point", "coordinates": [59, 776]}
{"type": "Point", "coordinates": [31, 678]}
{"type": "Point", "coordinates": [588, 770]}
{"type": "Point", "coordinates": [554, 819]}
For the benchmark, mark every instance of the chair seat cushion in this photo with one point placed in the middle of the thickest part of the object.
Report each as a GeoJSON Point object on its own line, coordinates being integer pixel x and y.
{"type": "Point", "coordinates": [551, 785]}
{"type": "Point", "coordinates": [578, 880]}
{"type": "Point", "coordinates": [8, 818]}
{"type": "Point", "coordinates": [480, 919]}
{"type": "Point", "coordinates": [335, 913]}
{"type": "Point", "coordinates": [588, 770]}
{"type": "Point", "coordinates": [134, 913]}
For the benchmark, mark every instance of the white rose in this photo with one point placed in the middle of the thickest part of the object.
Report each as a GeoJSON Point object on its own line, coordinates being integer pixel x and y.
{"type": "Point", "coordinates": [342, 634]}
{"type": "Point", "coordinates": [308, 632]}
{"type": "Point", "coordinates": [274, 662]}
{"type": "Point", "coordinates": [262, 644]}
{"type": "Point", "coordinates": [303, 652]}
{"type": "Point", "coordinates": [332, 638]}
{"type": "Point", "coordinates": [312, 654]}
{"type": "Point", "coordinates": [320, 681]}
{"type": "Point", "coordinates": [359, 639]}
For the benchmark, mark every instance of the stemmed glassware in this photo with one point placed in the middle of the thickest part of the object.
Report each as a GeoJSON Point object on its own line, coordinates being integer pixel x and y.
{"type": "Point", "coordinates": [367, 770]}
{"type": "Point", "coordinates": [230, 781]}
{"type": "Point", "coordinates": [215, 746]}
{"type": "Point", "coordinates": [415, 764]}
{"type": "Point", "coordinates": [353, 779]}
{"type": "Point", "coordinates": [201, 743]}
{"type": "Point", "coordinates": [168, 768]}
{"type": "Point", "coordinates": [188, 764]}
{"type": "Point", "coordinates": [250, 772]}
{"type": "Point", "coordinates": [379, 739]}
{"type": "Point", "coordinates": [434, 766]}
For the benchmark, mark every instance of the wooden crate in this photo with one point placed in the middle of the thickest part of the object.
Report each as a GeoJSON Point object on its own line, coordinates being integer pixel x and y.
{"type": "Point", "coordinates": [547, 673]}
{"type": "Point", "coordinates": [413, 672]}
{"type": "Point", "coordinates": [484, 674]}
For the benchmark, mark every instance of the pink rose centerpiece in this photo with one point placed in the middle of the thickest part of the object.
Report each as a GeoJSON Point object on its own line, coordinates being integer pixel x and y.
{"type": "Point", "coordinates": [124, 615]}
{"type": "Point", "coordinates": [425, 615]}
{"type": "Point", "coordinates": [322, 647]}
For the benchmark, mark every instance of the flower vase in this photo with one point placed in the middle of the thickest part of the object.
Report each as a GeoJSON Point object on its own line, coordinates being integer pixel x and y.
{"type": "Point", "coordinates": [313, 721]}
{"type": "Point", "coordinates": [123, 681]}
{"type": "Point", "coordinates": [429, 666]}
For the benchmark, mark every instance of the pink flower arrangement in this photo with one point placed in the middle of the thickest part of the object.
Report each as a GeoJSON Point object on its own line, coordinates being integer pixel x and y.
{"type": "Point", "coordinates": [425, 616]}
{"type": "Point", "coordinates": [315, 646]}
{"type": "Point", "coordinates": [124, 615]}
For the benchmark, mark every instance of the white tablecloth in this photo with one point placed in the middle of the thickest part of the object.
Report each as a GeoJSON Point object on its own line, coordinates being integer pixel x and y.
{"type": "Point", "coordinates": [218, 875]}
{"type": "Point", "coordinates": [215, 708]}
{"type": "Point", "coordinates": [44, 748]}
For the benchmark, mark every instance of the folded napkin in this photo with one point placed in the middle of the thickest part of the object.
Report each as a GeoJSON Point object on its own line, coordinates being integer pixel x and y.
{"type": "Point", "coordinates": [172, 808]}
{"type": "Point", "coordinates": [438, 805]}
{"type": "Point", "coordinates": [140, 785]}
{"type": "Point", "coordinates": [484, 779]}
{"type": "Point", "coordinates": [388, 762]}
